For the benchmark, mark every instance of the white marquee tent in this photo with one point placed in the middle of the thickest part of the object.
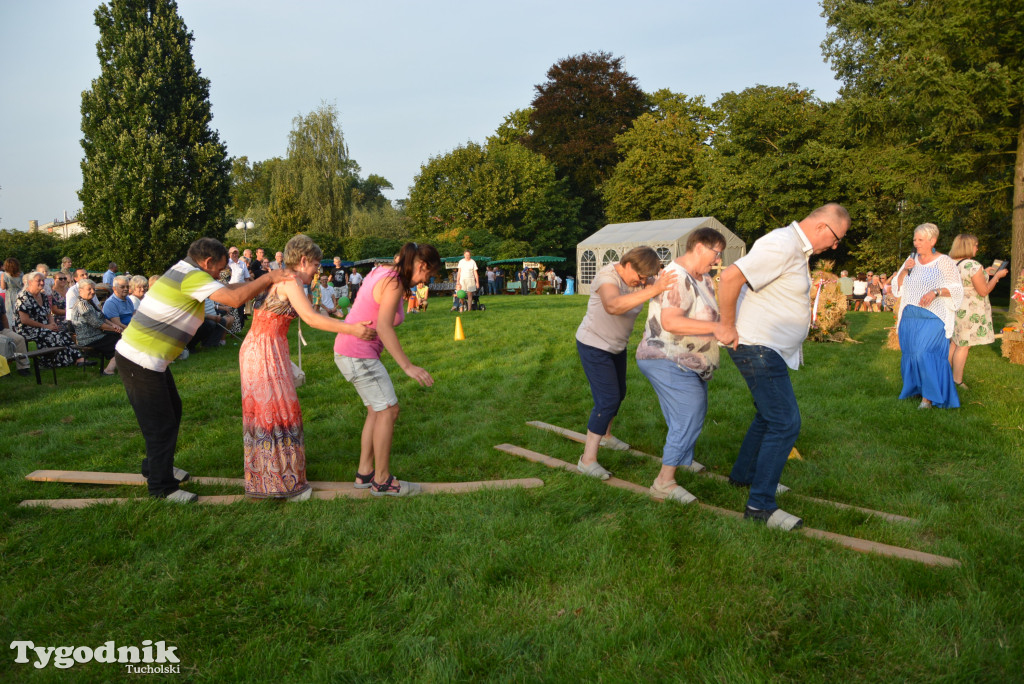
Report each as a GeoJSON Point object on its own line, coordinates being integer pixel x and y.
{"type": "Point", "coordinates": [666, 237]}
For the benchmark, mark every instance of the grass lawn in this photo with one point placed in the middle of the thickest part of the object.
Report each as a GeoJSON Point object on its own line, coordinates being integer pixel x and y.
{"type": "Point", "coordinates": [571, 581]}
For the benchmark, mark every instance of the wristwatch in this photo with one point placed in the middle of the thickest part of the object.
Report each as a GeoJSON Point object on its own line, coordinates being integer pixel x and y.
{"type": "Point", "coordinates": [936, 291]}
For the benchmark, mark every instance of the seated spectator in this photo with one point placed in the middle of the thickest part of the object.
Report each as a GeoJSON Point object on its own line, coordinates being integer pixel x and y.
{"type": "Point", "coordinates": [216, 322]}
{"type": "Point", "coordinates": [137, 288]}
{"type": "Point", "coordinates": [108, 275]}
{"type": "Point", "coordinates": [860, 291]}
{"type": "Point", "coordinates": [36, 324]}
{"type": "Point", "coordinates": [12, 344]}
{"type": "Point", "coordinates": [152, 280]}
{"type": "Point", "coordinates": [58, 301]}
{"type": "Point", "coordinates": [118, 306]}
{"type": "Point", "coordinates": [72, 296]}
{"type": "Point", "coordinates": [422, 293]}
{"type": "Point", "coordinates": [92, 328]}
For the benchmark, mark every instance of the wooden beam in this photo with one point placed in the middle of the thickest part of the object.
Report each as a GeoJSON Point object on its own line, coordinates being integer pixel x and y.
{"type": "Point", "coordinates": [345, 490]}
{"type": "Point", "coordinates": [854, 543]}
{"type": "Point", "coordinates": [577, 437]}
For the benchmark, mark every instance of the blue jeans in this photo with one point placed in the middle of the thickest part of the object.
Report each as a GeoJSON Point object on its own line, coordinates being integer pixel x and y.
{"type": "Point", "coordinates": [684, 403]}
{"type": "Point", "coordinates": [774, 430]}
{"type": "Point", "coordinates": [606, 373]}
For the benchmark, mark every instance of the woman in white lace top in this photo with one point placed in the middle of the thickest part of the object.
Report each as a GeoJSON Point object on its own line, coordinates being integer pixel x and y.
{"type": "Point", "coordinates": [930, 293]}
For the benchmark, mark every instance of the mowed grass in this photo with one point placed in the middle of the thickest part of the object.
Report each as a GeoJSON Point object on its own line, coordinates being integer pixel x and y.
{"type": "Point", "coordinates": [571, 581]}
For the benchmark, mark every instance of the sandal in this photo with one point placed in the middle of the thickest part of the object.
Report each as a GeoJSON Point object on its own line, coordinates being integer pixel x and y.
{"type": "Point", "coordinates": [395, 487]}
{"type": "Point", "coordinates": [364, 481]}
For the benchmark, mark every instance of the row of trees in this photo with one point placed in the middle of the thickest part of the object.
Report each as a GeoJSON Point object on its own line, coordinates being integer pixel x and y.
{"type": "Point", "coordinates": [929, 125]}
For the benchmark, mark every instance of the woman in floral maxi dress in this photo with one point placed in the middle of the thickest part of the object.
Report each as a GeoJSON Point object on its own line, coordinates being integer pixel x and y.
{"type": "Point", "coordinates": [275, 456]}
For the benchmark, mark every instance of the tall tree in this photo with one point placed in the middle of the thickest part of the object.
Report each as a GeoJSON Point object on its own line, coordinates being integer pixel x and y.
{"type": "Point", "coordinates": [769, 164]}
{"type": "Point", "coordinates": [155, 175]}
{"type": "Point", "coordinates": [947, 79]}
{"type": "Point", "coordinates": [322, 170]}
{"type": "Point", "coordinates": [587, 100]}
{"type": "Point", "coordinates": [658, 176]}
{"type": "Point", "coordinates": [501, 191]}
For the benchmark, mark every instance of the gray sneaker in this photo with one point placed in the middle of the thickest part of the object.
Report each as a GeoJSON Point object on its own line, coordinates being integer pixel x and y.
{"type": "Point", "coordinates": [181, 496]}
{"type": "Point", "coordinates": [395, 487]}
{"type": "Point", "coordinates": [181, 475]}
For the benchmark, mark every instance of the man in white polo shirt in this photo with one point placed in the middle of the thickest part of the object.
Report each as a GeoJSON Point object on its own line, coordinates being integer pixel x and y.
{"type": "Point", "coordinates": [765, 301]}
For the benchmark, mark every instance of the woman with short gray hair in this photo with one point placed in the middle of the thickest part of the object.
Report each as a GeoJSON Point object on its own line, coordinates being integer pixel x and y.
{"type": "Point", "coordinates": [930, 293]}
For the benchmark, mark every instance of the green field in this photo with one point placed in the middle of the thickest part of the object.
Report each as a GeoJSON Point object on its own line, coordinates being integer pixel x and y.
{"type": "Point", "coordinates": [573, 581]}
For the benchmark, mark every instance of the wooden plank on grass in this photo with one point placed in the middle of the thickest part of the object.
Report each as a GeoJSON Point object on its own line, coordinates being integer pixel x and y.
{"type": "Point", "coordinates": [855, 543]}
{"type": "Point", "coordinates": [347, 491]}
{"type": "Point", "coordinates": [577, 437]}
{"type": "Point", "coordinates": [100, 478]}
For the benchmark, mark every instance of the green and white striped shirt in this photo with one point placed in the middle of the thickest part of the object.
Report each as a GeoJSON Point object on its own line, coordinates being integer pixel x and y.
{"type": "Point", "coordinates": [168, 316]}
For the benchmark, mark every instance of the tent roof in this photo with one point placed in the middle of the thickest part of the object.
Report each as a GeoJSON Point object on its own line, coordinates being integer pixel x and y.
{"type": "Point", "coordinates": [538, 259]}
{"type": "Point", "coordinates": [665, 230]}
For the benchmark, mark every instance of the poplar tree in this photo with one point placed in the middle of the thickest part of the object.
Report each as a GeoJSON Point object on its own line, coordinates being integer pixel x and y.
{"type": "Point", "coordinates": [155, 175]}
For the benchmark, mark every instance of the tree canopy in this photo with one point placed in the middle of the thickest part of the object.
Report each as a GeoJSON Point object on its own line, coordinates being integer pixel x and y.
{"type": "Point", "coordinates": [155, 175]}
{"type": "Point", "coordinates": [586, 101]}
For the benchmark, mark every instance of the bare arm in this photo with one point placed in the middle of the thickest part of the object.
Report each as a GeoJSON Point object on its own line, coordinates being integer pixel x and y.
{"type": "Point", "coordinates": [238, 294]}
{"type": "Point", "coordinates": [390, 298]}
{"type": "Point", "coordinates": [617, 304]}
{"type": "Point", "coordinates": [673, 321]}
{"type": "Point", "coordinates": [729, 287]}
{"type": "Point", "coordinates": [983, 285]}
{"type": "Point", "coordinates": [297, 297]}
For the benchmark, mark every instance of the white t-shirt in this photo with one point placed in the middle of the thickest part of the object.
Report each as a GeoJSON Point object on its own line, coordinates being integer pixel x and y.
{"type": "Point", "coordinates": [774, 307]}
{"type": "Point", "coordinates": [355, 279]}
{"type": "Point", "coordinates": [467, 272]}
{"type": "Point", "coordinates": [239, 272]}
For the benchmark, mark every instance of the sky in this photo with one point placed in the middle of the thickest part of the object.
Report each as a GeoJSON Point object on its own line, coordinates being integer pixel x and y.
{"type": "Point", "coordinates": [411, 80]}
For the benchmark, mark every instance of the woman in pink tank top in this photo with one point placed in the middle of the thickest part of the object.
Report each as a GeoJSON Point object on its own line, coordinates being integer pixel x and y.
{"type": "Point", "coordinates": [380, 301]}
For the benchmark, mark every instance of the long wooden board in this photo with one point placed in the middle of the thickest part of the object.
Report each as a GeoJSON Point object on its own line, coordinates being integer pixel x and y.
{"type": "Point", "coordinates": [577, 437]}
{"type": "Point", "coordinates": [101, 478]}
{"type": "Point", "coordinates": [854, 543]}
{"type": "Point", "coordinates": [347, 491]}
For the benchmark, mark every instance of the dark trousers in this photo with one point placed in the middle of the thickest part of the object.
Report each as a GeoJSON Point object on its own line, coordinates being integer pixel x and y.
{"type": "Point", "coordinates": [157, 406]}
{"type": "Point", "coordinates": [606, 373]}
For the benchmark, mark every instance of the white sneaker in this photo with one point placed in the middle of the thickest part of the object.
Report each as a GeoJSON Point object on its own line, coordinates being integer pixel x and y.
{"type": "Point", "coordinates": [671, 492]}
{"type": "Point", "coordinates": [183, 356]}
{"type": "Point", "coordinates": [304, 496]}
{"type": "Point", "coordinates": [181, 496]}
{"type": "Point", "coordinates": [595, 469]}
{"type": "Point", "coordinates": [614, 443]}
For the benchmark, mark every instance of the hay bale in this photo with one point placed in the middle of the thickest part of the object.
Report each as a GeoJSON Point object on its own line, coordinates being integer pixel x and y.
{"type": "Point", "coordinates": [1013, 346]}
{"type": "Point", "coordinates": [893, 341]}
{"type": "Point", "coordinates": [830, 324]}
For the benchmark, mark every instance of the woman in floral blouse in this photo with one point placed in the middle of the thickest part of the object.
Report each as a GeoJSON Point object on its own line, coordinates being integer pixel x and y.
{"type": "Point", "coordinates": [972, 325]}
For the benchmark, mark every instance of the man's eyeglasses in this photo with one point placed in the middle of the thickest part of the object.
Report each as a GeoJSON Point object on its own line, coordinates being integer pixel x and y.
{"type": "Point", "coordinates": [838, 239]}
{"type": "Point", "coordinates": [61, 278]}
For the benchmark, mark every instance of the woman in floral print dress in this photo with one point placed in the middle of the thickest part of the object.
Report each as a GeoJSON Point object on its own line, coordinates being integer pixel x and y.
{"type": "Point", "coordinates": [972, 324]}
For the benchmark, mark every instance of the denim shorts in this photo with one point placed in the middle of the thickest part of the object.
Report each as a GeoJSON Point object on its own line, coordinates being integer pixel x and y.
{"type": "Point", "coordinates": [371, 380]}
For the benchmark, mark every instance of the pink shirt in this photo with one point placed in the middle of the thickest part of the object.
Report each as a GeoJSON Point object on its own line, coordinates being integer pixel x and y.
{"type": "Point", "coordinates": [366, 309]}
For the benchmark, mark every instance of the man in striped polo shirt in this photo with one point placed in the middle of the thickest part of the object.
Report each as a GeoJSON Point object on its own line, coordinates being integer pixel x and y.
{"type": "Point", "coordinates": [165, 322]}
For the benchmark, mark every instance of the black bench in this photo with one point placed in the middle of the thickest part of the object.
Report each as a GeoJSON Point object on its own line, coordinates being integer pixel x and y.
{"type": "Point", "coordinates": [37, 354]}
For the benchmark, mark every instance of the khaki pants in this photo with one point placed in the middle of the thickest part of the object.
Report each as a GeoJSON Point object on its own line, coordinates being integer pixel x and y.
{"type": "Point", "coordinates": [13, 340]}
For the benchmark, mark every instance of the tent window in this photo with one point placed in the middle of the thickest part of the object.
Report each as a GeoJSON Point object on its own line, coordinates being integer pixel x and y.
{"type": "Point", "coordinates": [665, 254]}
{"type": "Point", "coordinates": [609, 257]}
{"type": "Point", "coordinates": [588, 267]}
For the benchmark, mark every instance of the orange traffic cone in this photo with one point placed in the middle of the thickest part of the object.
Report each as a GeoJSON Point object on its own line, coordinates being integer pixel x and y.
{"type": "Point", "coordinates": [459, 335]}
